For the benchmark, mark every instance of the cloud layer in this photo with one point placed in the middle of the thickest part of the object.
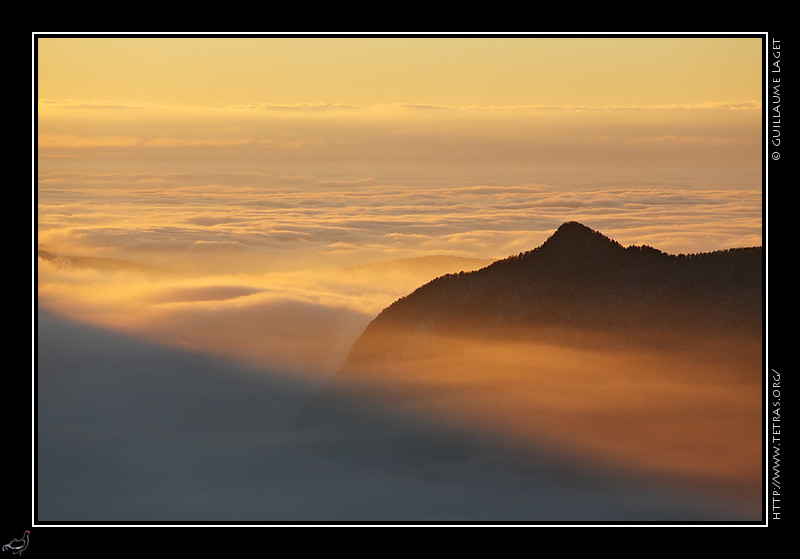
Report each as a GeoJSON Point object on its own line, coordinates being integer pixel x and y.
{"type": "Point", "coordinates": [205, 218]}
{"type": "Point", "coordinates": [706, 145]}
{"type": "Point", "coordinates": [261, 267]}
{"type": "Point", "coordinates": [240, 224]}
{"type": "Point", "coordinates": [133, 431]}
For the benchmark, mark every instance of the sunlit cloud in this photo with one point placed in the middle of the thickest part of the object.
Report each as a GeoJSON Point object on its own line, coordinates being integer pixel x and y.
{"type": "Point", "coordinates": [90, 104]}
{"type": "Point", "coordinates": [158, 261]}
{"type": "Point", "coordinates": [73, 141]}
{"type": "Point", "coordinates": [698, 140]}
{"type": "Point", "coordinates": [432, 147]}
{"type": "Point", "coordinates": [381, 218]}
{"type": "Point", "coordinates": [750, 104]}
{"type": "Point", "coordinates": [171, 142]}
{"type": "Point", "coordinates": [723, 105]}
{"type": "Point", "coordinates": [301, 106]}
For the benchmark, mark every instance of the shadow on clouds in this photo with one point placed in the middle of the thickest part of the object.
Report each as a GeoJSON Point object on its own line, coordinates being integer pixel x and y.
{"type": "Point", "coordinates": [131, 431]}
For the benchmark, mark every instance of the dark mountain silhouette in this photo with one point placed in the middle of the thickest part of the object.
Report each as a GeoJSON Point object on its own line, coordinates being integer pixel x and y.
{"type": "Point", "coordinates": [581, 281]}
{"type": "Point", "coordinates": [630, 357]}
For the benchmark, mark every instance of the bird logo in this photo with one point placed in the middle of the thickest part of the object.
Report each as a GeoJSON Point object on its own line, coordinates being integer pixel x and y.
{"type": "Point", "coordinates": [17, 546]}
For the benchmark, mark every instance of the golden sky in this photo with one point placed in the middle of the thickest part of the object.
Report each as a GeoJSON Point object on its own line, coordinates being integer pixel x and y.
{"type": "Point", "coordinates": [225, 72]}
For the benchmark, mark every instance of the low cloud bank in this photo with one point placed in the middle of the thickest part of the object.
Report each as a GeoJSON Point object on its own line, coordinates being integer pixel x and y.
{"type": "Point", "coordinates": [244, 228]}
{"type": "Point", "coordinates": [129, 430]}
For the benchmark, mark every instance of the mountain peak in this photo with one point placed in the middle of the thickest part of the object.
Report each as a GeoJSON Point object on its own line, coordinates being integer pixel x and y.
{"type": "Point", "coordinates": [574, 226]}
{"type": "Point", "coordinates": [575, 230]}
{"type": "Point", "coordinates": [573, 236]}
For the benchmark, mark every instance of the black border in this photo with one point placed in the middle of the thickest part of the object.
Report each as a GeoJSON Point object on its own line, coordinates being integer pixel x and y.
{"type": "Point", "coordinates": [58, 539]}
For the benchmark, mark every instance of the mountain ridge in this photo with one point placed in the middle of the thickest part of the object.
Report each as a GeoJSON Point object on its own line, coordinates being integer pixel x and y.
{"type": "Point", "coordinates": [630, 358]}
{"type": "Point", "coordinates": [579, 278]}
